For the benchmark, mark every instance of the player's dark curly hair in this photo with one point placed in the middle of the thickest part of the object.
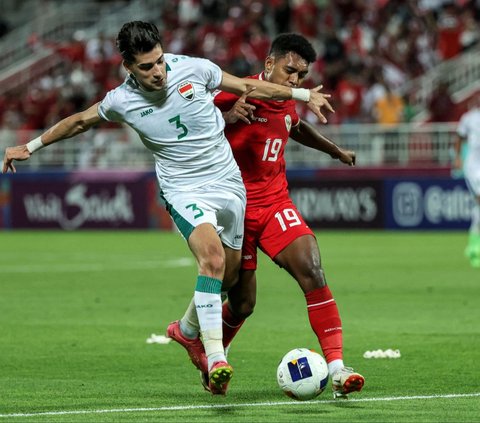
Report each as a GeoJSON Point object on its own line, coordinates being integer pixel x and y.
{"type": "Point", "coordinates": [137, 37]}
{"type": "Point", "coordinates": [285, 43]}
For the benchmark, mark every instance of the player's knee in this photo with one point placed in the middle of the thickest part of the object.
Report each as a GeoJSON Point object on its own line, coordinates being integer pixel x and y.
{"type": "Point", "coordinates": [230, 279]}
{"type": "Point", "coordinates": [312, 278]}
{"type": "Point", "coordinates": [213, 265]}
{"type": "Point", "coordinates": [318, 277]}
{"type": "Point", "coordinates": [244, 307]}
{"type": "Point", "coordinates": [232, 273]}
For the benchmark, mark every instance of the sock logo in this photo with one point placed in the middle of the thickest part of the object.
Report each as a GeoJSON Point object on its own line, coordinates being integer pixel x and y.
{"type": "Point", "coordinates": [204, 305]}
{"type": "Point", "coordinates": [332, 329]}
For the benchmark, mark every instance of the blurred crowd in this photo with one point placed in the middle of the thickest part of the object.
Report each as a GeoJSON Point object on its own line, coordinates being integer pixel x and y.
{"type": "Point", "coordinates": [367, 49]}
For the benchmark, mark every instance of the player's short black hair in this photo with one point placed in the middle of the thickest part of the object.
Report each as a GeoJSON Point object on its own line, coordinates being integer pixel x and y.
{"type": "Point", "coordinates": [137, 37]}
{"type": "Point", "coordinates": [285, 43]}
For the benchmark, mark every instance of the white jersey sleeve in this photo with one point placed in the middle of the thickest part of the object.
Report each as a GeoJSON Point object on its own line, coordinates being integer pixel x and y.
{"type": "Point", "coordinates": [111, 108]}
{"type": "Point", "coordinates": [462, 128]}
{"type": "Point", "coordinates": [210, 73]}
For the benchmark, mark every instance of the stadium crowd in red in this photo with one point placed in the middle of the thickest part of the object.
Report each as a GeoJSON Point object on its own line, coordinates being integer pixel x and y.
{"type": "Point", "coordinates": [366, 50]}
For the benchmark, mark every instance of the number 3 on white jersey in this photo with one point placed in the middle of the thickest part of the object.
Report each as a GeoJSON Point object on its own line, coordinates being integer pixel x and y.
{"type": "Point", "coordinates": [272, 148]}
{"type": "Point", "coordinates": [287, 217]}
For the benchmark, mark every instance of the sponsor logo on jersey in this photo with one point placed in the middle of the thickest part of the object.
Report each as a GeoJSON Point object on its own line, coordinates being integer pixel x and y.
{"type": "Point", "coordinates": [146, 112]}
{"type": "Point", "coordinates": [248, 257]}
{"type": "Point", "coordinates": [288, 122]}
{"type": "Point", "coordinates": [260, 119]}
{"type": "Point", "coordinates": [186, 90]}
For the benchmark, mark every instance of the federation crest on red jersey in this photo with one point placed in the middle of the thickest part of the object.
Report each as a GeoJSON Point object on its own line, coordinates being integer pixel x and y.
{"type": "Point", "coordinates": [186, 90]}
{"type": "Point", "coordinates": [288, 122]}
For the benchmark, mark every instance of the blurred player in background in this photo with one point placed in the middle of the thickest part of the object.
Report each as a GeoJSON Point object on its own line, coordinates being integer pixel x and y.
{"type": "Point", "coordinates": [469, 130]}
{"type": "Point", "coordinates": [167, 99]}
{"type": "Point", "coordinates": [258, 132]}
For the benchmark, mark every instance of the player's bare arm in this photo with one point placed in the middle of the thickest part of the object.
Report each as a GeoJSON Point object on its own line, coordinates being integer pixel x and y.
{"type": "Point", "coordinates": [66, 128]}
{"type": "Point", "coordinates": [269, 91]}
{"type": "Point", "coordinates": [307, 135]}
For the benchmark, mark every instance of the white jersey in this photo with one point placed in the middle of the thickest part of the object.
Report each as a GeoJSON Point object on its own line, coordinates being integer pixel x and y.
{"type": "Point", "coordinates": [469, 128]}
{"type": "Point", "coordinates": [180, 125]}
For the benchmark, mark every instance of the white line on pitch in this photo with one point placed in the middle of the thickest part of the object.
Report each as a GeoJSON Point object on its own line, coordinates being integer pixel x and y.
{"type": "Point", "coordinates": [219, 406]}
{"type": "Point", "coordinates": [96, 267]}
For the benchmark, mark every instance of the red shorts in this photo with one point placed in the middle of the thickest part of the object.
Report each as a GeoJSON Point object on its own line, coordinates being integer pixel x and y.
{"type": "Point", "coordinates": [271, 229]}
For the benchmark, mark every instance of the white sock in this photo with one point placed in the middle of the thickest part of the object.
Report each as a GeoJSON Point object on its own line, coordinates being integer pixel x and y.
{"type": "Point", "coordinates": [189, 322]}
{"type": "Point", "coordinates": [212, 341]}
{"type": "Point", "coordinates": [209, 311]}
{"type": "Point", "coordinates": [335, 365]}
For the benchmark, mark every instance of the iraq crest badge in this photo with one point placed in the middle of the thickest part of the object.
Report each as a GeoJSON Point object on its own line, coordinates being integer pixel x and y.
{"type": "Point", "coordinates": [186, 90]}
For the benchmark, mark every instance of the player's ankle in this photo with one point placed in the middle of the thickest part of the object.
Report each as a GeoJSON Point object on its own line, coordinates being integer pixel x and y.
{"type": "Point", "coordinates": [335, 365]}
{"type": "Point", "coordinates": [188, 331]}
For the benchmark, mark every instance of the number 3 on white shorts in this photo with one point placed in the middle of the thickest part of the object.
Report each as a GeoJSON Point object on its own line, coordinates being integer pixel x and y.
{"type": "Point", "coordinates": [287, 217]}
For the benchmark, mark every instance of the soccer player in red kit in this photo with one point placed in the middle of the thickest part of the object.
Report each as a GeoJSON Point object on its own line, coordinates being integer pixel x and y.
{"type": "Point", "coordinates": [258, 132]}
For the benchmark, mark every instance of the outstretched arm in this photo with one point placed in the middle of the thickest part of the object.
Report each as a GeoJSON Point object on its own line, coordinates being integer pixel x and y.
{"type": "Point", "coordinates": [306, 134]}
{"type": "Point", "coordinates": [267, 91]}
{"type": "Point", "coordinates": [66, 128]}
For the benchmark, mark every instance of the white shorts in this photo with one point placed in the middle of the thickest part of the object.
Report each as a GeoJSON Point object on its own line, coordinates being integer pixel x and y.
{"type": "Point", "coordinates": [221, 204]}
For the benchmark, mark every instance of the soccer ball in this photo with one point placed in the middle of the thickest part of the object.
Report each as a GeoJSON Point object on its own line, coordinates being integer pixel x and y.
{"type": "Point", "coordinates": [302, 374]}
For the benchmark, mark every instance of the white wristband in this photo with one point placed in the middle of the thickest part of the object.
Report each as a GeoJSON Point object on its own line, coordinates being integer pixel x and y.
{"type": "Point", "coordinates": [301, 94]}
{"type": "Point", "coordinates": [35, 145]}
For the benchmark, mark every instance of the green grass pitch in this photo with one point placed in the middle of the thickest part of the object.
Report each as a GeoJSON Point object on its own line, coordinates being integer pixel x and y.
{"type": "Point", "coordinates": [76, 309]}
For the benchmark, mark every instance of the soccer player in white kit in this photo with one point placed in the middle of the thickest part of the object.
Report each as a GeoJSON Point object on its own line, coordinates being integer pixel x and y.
{"type": "Point", "coordinates": [469, 130]}
{"type": "Point", "coordinates": [168, 100]}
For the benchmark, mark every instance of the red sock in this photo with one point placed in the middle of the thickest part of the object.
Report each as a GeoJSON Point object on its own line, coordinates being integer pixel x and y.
{"type": "Point", "coordinates": [231, 325]}
{"type": "Point", "coordinates": [325, 321]}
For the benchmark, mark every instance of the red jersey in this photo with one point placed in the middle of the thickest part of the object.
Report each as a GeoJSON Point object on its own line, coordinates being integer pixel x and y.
{"type": "Point", "coordinates": [259, 147]}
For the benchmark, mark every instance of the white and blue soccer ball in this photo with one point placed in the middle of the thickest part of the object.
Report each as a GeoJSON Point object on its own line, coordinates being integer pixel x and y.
{"type": "Point", "coordinates": [302, 374]}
